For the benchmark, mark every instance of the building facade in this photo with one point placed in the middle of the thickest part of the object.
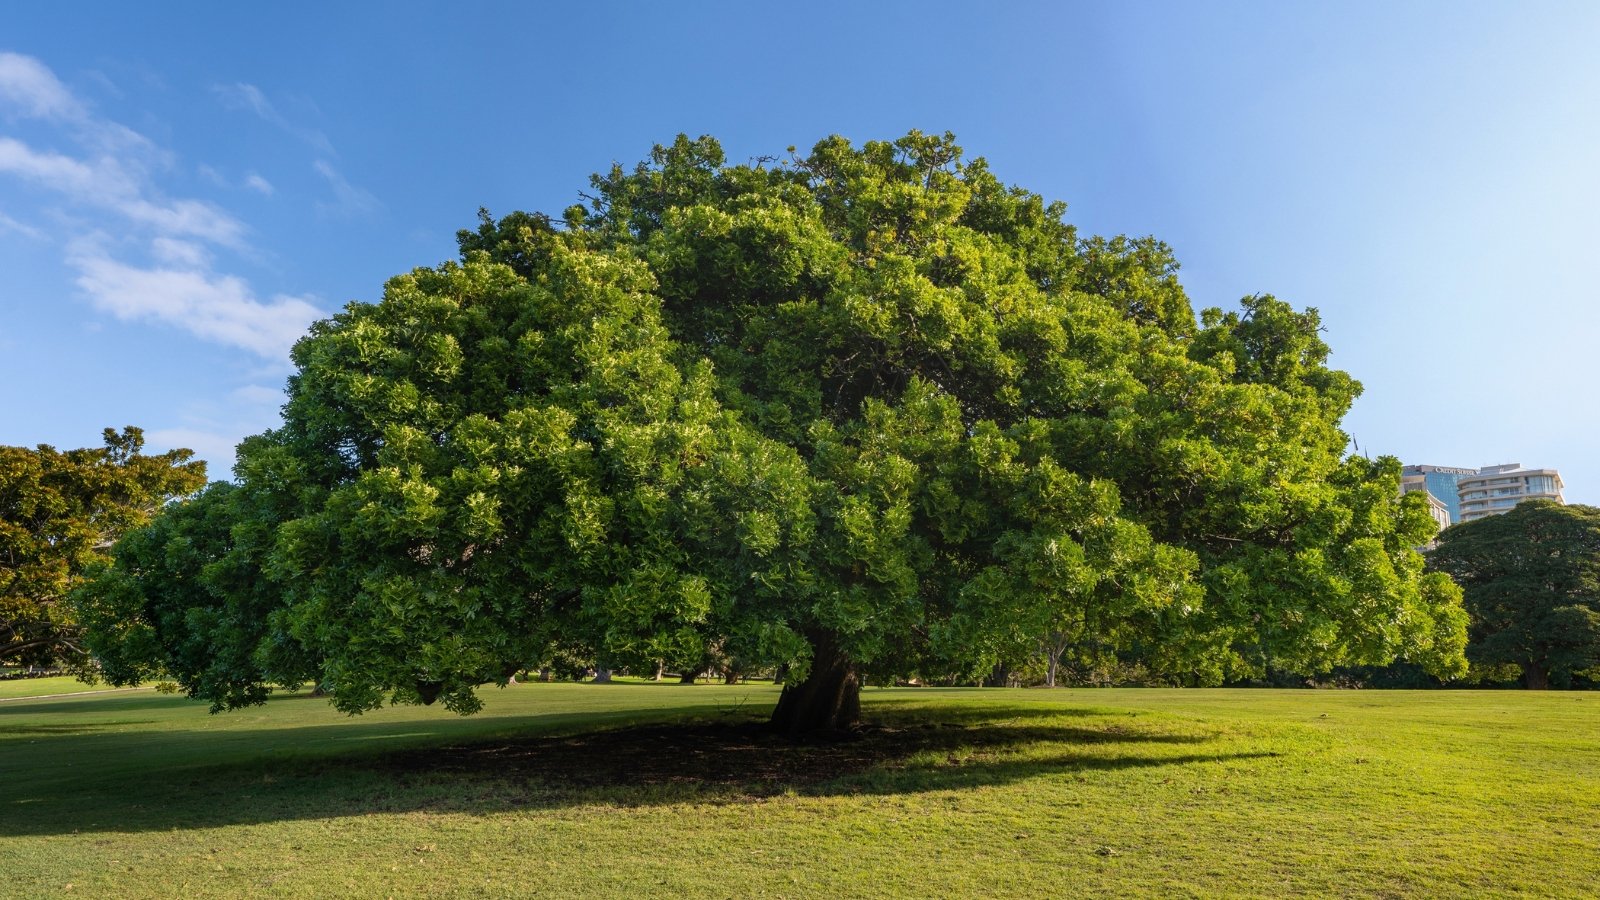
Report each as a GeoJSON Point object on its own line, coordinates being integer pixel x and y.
{"type": "Point", "coordinates": [1496, 489]}
{"type": "Point", "coordinates": [1436, 506]}
{"type": "Point", "coordinates": [1441, 482]}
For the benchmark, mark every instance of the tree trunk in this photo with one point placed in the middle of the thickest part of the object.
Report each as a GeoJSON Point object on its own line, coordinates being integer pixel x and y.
{"type": "Point", "coordinates": [602, 676]}
{"type": "Point", "coordinates": [1055, 644]}
{"type": "Point", "coordinates": [782, 674]}
{"type": "Point", "coordinates": [1535, 678]}
{"type": "Point", "coordinates": [688, 677]}
{"type": "Point", "coordinates": [661, 669]}
{"type": "Point", "coordinates": [1000, 677]}
{"type": "Point", "coordinates": [829, 699]}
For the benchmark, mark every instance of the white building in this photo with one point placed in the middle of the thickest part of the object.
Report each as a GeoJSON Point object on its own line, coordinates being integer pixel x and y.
{"type": "Point", "coordinates": [1495, 489]}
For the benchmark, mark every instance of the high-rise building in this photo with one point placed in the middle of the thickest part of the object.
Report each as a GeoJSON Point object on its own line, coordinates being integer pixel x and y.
{"type": "Point", "coordinates": [1436, 507]}
{"type": "Point", "coordinates": [1441, 482]}
{"type": "Point", "coordinates": [1495, 489]}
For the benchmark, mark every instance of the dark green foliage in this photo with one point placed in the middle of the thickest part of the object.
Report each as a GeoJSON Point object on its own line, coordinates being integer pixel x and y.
{"type": "Point", "coordinates": [188, 594]}
{"type": "Point", "coordinates": [1531, 579]}
{"type": "Point", "coordinates": [59, 511]}
{"type": "Point", "coordinates": [866, 411]}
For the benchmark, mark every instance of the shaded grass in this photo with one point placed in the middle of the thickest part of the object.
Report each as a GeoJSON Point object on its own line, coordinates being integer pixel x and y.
{"type": "Point", "coordinates": [587, 790]}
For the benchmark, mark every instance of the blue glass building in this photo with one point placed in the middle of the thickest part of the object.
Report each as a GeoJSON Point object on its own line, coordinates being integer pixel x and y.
{"type": "Point", "coordinates": [1443, 483]}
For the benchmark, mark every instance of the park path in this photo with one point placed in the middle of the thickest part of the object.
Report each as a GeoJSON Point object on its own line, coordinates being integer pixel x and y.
{"type": "Point", "coordinates": [74, 694]}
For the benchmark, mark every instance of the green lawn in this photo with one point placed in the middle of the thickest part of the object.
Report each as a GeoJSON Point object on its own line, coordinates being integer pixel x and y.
{"type": "Point", "coordinates": [13, 688]}
{"type": "Point", "coordinates": [960, 793]}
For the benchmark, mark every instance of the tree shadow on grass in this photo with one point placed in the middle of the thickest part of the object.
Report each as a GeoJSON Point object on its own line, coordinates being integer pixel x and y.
{"type": "Point", "coordinates": [744, 754]}
{"type": "Point", "coordinates": [723, 762]}
{"type": "Point", "coordinates": [74, 727]}
{"type": "Point", "coordinates": [729, 759]}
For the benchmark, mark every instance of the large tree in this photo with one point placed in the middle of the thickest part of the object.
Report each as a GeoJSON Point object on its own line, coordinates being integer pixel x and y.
{"type": "Point", "coordinates": [1531, 579]}
{"type": "Point", "coordinates": [867, 410]}
{"type": "Point", "coordinates": [59, 512]}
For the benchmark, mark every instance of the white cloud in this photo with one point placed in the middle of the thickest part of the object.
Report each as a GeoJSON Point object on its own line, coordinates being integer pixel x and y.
{"type": "Point", "coordinates": [30, 88]}
{"type": "Point", "coordinates": [160, 266]}
{"type": "Point", "coordinates": [112, 138]}
{"type": "Point", "coordinates": [104, 82]}
{"type": "Point", "coordinates": [107, 183]}
{"type": "Point", "coordinates": [251, 181]}
{"type": "Point", "coordinates": [62, 173]}
{"type": "Point", "coordinates": [348, 200]}
{"type": "Point", "coordinates": [181, 253]}
{"type": "Point", "coordinates": [247, 96]}
{"type": "Point", "coordinates": [190, 217]}
{"type": "Point", "coordinates": [258, 184]}
{"type": "Point", "coordinates": [185, 294]}
{"type": "Point", "coordinates": [241, 96]}
{"type": "Point", "coordinates": [9, 224]}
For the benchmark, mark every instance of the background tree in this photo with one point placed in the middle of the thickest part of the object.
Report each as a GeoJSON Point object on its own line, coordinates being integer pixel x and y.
{"type": "Point", "coordinates": [59, 513]}
{"type": "Point", "coordinates": [1531, 579]}
{"type": "Point", "coordinates": [867, 411]}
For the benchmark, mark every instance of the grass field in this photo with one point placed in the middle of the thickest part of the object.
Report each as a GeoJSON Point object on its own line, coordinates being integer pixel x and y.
{"type": "Point", "coordinates": [18, 688]}
{"type": "Point", "coordinates": [583, 791]}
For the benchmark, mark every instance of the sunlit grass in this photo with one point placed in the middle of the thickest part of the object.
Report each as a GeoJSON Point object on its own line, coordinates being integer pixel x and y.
{"type": "Point", "coordinates": [12, 688]}
{"type": "Point", "coordinates": [954, 793]}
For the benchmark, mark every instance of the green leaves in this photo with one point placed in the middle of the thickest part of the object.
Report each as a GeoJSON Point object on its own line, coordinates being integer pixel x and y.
{"type": "Point", "coordinates": [868, 399]}
{"type": "Point", "coordinates": [59, 511]}
{"type": "Point", "coordinates": [1531, 579]}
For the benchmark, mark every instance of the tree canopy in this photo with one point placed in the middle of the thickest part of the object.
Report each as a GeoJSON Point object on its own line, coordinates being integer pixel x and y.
{"type": "Point", "coordinates": [863, 411]}
{"type": "Point", "coordinates": [1531, 580]}
{"type": "Point", "coordinates": [59, 512]}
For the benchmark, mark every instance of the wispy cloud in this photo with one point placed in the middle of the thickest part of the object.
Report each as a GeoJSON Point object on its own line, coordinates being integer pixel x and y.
{"type": "Point", "coordinates": [248, 97]}
{"type": "Point", "coordinates": [349, 201]}
{"type": "Point", "coordinates": [30, 89]}
{"type": "Point", "coordinates": [213, 176]}
{"type": "Point", "coordinates": [258, 184]}
{"type": "Point", "coordinates": [112, 184]}
{"type": "Point", "coordinates": [160, 266]}
{"type": "Point", "coordinates": [183, 292]}
{"type": "Point", "coordinates": [252, 181]}
{"type": "Point", "coordinates": [9, 224]}
{"type": "Point", "coordinates": [182, 253]}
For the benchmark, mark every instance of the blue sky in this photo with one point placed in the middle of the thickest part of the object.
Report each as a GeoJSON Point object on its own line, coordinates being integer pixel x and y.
{"type": "Point", "coordinates": [184, 188]}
